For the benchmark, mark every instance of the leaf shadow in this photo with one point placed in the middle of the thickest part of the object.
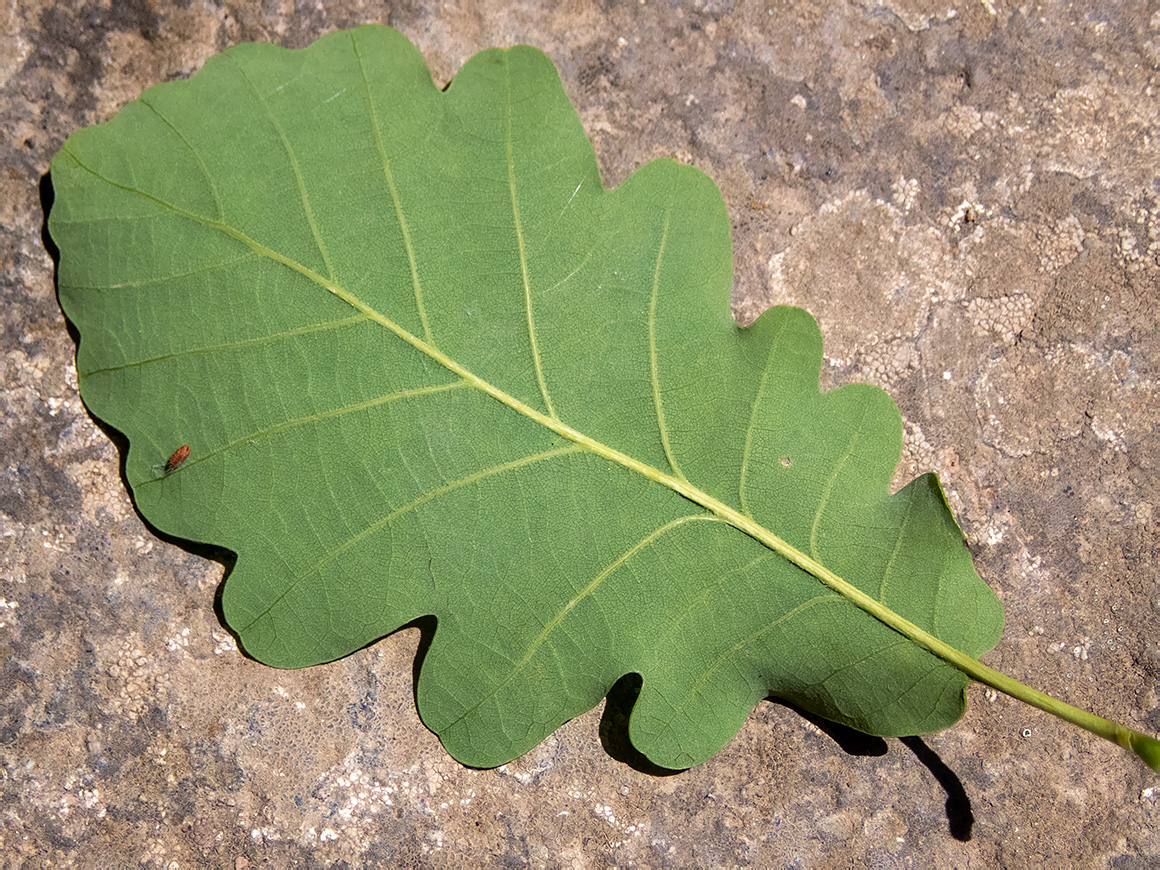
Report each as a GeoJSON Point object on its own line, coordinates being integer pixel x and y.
{"type": "Point", "coordinates": [613, 731]}
{"type": "Point", "coordinates": [960, 816]}
{"type": "Point", "coordinates": [426, 626]}
{"type": "Point", "coordinates": [47, 196]}
{"type": "Point", "coordinates": [615, 740]}
{"type": "Point", "coordinates": [849, 740]}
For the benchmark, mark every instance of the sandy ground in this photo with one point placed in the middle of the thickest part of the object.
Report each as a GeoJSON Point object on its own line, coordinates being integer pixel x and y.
{"type": "Point", "coordinates": [964, 194]}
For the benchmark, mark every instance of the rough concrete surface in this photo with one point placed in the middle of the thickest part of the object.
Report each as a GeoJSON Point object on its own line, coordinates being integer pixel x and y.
{"type": "Point", "coordinates": [963, 192]}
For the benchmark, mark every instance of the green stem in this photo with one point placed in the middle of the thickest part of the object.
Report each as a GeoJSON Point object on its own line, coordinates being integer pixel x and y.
{"type": "Point", "coordinates": [1147, 748]}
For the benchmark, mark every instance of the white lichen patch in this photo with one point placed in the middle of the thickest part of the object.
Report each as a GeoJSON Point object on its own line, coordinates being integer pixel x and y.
{"type": "Point", "coordinates": [7, 611]}
{"type": "Point", "coordinates": [1059, 243]}
{"type": "Point", "coordinates": [1076, 139]}
{"type": "Point", "coordinates": [905, 192]}
{"type": "Point", "coordinates": [918, 455]}
{"type": "Point", "coordinates": [967, 213]}
{"type": "Point", "coordinates": [1142, 513]}
{"type": "Point", "coordinates": [223, 643]}
{"type": "Point", "coordinates": [280, 692]}
{"type": "Point", "coordinates": [1109, 434]}
{"type": "Point", "coordinates": [137, 680]}
{"type": "Point", "coordinates": [24, 371]}
{"type": "Point", "coordinates": [964, 121]}
{"type": "Point", "coordinates": [858, 253]}
{"type": "Point", "coordinates": [779, 288]}
{"type": "Point", "coordinates": [529, 768]}
{"type": "Point", "coordinates": [997, 527]}
{"type": "Point", "coordinates": [351, 803]}
{"type": "Point", "coordinates": [103, 499]}
{"type": "Point", "coordinates": [614, 811]}
{"type": "Point", "coordinates": [886, 362]}
{"type": "Point", "coordinates": [1005, 316]}
{"type": "Point", "coordinates": [178, 641]}
{"type": "Point", "coordinates": [1137, 254]}
{"type": "Point", "coordinates": [72, 797]}
{"type": "Point", "coordinates": [80, 793]}
{"type": "Point", "coordinates": [1081, 650]}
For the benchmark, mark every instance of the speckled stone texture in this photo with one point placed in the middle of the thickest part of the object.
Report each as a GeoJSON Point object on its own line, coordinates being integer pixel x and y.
{"type": "Point", "coordinates": [964, 194]}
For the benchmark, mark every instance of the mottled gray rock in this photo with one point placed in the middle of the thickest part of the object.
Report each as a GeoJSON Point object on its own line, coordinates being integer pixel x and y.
{"type": "Point", "coordinates": [964, 194]}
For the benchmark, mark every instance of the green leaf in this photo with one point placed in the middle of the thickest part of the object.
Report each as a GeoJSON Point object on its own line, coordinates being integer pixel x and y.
{"type": "Point", "coordinates": [426, 364]}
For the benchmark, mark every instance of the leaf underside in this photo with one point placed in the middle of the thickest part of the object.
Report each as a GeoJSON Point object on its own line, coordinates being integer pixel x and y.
{"type": "Point", "coordinates": [427, 365]}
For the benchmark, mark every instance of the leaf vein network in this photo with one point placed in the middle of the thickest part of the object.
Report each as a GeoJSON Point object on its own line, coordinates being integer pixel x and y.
{"type": "Point", "coordinates": [828, 488]}
{"type": "Point", "coordinates": [888, 569]}
{"type": "Point", "coordinates": [396, 200]}
{"type": "Point", "coordinates": [652, 346]}
{"type": "Point", "coordinates": [410, 506]}
{"type": "Point", "coordinates": [509, 151]}
{"type": "Point", "coordinates": [300, 182]}
{"type": "Point", "coordinates": [196, 155]}
{"type": "Point", "coordinates": [228, 347]}
{"type": "Point", "coordinates": [679, 485]}
{"type": "Point", "coordinates": [286, 425]}
{"type": "Point", "coordinates": [758, 399]}
{"type": "Point", "coordinates": [551, 625]}
{"type": "Point", "coordinates": [726, 655]}
{"type": "Point", "coordinates": [149, 282]}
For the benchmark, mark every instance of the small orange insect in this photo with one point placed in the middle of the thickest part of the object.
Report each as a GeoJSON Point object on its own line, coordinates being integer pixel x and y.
{"type": "Point", "coordinates": [179, 456]}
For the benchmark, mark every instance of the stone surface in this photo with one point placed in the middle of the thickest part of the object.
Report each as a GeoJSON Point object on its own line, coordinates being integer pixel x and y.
{"type": "Point", "coordinates": [964, 194]}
